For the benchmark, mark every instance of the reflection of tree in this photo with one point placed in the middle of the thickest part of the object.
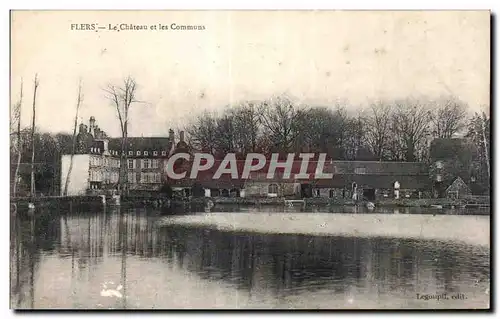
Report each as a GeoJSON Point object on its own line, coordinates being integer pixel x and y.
{"type": "Point", "coordinates": [123, 231]}
{"type": "Point", "coordinates": [26, 253]}
{"type": "Point", "coordinates": [287, 262]}
{"type": "Point", "coordinates": [279, 264]}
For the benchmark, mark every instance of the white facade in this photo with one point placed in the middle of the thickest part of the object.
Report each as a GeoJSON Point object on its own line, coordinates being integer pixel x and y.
{"type": "Point", "coordinates": [78, 181]}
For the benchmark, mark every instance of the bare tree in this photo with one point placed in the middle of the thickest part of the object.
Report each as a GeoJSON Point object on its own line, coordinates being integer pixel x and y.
{"type": "Point", "coordinates": [484, 121]}
{"type": "Point", "coordinates": [282, 121]}
{"type": "Point", "coordinates": [32, 189]}
{"type": "Point", "coordinates": [79, 101]}
{"type": "Point", "coordinates": [226, 136]}
{"type": "Point", "coordinates": [17, 116]}
{"type": "Point", "coordinates": [246, 123]}
{"type": "Point", "coordinates": [203, 133]}
{"type": "Point", "coordinates": [122, 98]}
{"type": "Point", "coordinates": [411, 124]}
{"type": "Point", "coordinates": [377, 128]}
{"type": "Point", "coordinates": [448, 117]}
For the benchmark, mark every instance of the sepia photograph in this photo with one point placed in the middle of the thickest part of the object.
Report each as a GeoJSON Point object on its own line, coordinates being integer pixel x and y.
{"type": "Point", "coordinates": [252, 160]}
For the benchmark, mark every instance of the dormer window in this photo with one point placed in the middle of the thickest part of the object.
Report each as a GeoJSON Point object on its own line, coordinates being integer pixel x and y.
{"type": "Point", "coordinates": [138, 153]}
{"type": "Point", "coordinates": [130, 153]}
{"type": "Point", "coordinates": [360, 170]}
{"type": "Point", "coordinates": [155, 153]}
{"type": "Point", "coordinates": [163, 153]}
{"type": "Point", "coordinates": [145, 153]}
{"type": "Point", "coordinates": [439, 164]}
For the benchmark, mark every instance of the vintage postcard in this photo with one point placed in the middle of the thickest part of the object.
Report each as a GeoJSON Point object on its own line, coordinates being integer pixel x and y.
{"type": "Point", "coordinates": [250, 160]}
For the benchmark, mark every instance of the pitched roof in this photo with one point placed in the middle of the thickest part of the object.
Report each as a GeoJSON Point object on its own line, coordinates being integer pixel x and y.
{"type": "Point", "coordinates": [377, 175]}
{"type": "Point", "coordinates": [456, 183]}
{"type": "Point", "coordinates": [448, 148]}
{"type": "Point", "coordinates": [376, 181]}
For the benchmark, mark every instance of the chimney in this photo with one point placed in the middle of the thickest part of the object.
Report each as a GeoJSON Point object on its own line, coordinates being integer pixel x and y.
{"type": "Point", "coordinates": [97, 132]}
{"type": "Point", "coordinates": [181, 136]}
{"type": "Point", "coordinates": [91, 125]}
{"type": "Point", "coordinates": [171, 136]}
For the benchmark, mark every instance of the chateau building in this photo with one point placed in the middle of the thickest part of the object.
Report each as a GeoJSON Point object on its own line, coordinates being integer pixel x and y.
{"type": "Point", "coordinates": [96, 162]}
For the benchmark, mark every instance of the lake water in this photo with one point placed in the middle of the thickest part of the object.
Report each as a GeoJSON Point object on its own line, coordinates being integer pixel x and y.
{"type": "Point", "coordinates": [251, 259]}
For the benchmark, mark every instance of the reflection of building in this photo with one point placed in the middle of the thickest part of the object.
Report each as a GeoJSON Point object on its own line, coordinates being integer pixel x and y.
{"type": "Point", "coordinates": [96, 163]}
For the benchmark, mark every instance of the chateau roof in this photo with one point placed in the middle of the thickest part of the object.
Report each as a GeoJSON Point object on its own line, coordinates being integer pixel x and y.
{"type": "Point", "coordinates": [142, 144]}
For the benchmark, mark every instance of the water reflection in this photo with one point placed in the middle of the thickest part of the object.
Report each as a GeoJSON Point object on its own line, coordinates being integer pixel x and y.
{"type": "Point", "coordinates": [64, 262]}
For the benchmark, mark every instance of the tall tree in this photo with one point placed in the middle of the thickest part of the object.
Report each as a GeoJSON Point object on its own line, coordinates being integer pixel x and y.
{"type": "Point", "coordinates": [281, 119]}
{"type": "Point", "coordinates": [17, 112]}
{"type": "Point", "coordinates": [377, 129]}
{"type": "Point", "coordinates": [479, 133]}
{"type": "Point", "coordinates": [246, 125]}
{"type": "Point", "coordinates": [411, 123]}
{"type": "Point", "coordinates": [79, 100]}
{"type": "Point", "coordinates": [122, 97]}
{"type": "Point", "coordinates": [203, 133]}
{"type": "Point", "coordinates": [32, 189]}
{"type": "Point", "coordinates": [448, 117]}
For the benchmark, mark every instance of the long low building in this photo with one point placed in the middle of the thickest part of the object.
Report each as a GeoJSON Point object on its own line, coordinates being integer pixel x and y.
{"type": "Point", "coordinates": [358, 179]}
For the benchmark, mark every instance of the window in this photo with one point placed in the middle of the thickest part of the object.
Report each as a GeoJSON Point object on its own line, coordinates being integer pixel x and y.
{"type": "Point", "coordinates": [332, 193]}
{"type": "Point", "coordinates": [155, 163]}
{"type": "Point", "coordinates": [439, 178]}
{"type": "Point", "coordinates": [146, 153]}
{"type": "Point", "coordinates": [360, 170]}
{"type": "Point", "coordinates": [273, 189]}
{"type": "Point", "coordinates": [130, 153]}
{"type": "Point", "coordinates": [155, 153]}
{"type": "Point", "coordinates": [163, 153]}
{"type": "Point", "coordinates": [132, 178]}
{"type": "Point", "coordinates": [138, 153]}
{"type": "Point", "coordinates": [131, 164]}
{"type": "Point", "coordinates": [145, 163]}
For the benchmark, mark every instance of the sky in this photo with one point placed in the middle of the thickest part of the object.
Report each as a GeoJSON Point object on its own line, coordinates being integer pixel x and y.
{"type": "Point", "coordinates": [316, 57]}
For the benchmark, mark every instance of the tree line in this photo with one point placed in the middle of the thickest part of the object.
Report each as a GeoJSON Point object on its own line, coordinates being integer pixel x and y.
{"type": "Point", "coordinates": [391, 130]}
{"type": "Point", "coordinates": [398, 130]}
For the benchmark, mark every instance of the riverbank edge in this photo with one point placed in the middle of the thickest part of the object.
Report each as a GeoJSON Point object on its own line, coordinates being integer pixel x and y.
{"type": "Point", "coordinates": [424, 202]}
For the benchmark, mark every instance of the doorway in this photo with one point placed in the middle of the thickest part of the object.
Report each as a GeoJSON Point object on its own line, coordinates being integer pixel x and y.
{"type": "Point", "coordinates": [369, 193]}
{"type": "Point", "coordinates": [306, 191]}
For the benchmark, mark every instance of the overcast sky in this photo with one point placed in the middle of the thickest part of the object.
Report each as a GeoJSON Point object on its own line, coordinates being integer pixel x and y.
{"type": "Point", "coordinates": [315, 57]}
